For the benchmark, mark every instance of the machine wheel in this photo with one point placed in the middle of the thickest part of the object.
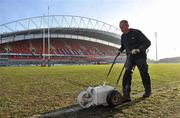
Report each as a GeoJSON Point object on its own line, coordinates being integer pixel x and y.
{"type": "Point", "coordinates": [114, 98]}
{"type": "Point", "coordinates": [84, 99]}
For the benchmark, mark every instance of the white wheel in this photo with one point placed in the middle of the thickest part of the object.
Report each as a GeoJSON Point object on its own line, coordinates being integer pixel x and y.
{"type": "Point", "coordinates": [85, 99]}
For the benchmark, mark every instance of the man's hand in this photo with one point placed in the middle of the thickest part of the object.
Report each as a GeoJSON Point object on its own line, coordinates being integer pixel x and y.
{"type": "Point", "coordinates": [118, 53]}
{"type": "Point", "coordinates": [135, 51]}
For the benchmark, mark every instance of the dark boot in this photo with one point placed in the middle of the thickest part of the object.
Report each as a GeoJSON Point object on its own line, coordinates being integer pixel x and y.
{"type": "Point", "coordinates": [125, 99]}
{"type": "Point", "coordinates": [147, 93]}
{"type": "Point", "coordinates": [126, 94]}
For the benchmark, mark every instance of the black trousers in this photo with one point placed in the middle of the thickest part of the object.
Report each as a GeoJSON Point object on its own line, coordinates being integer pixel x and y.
{"type": "Point", "coordinates": [142, 65]}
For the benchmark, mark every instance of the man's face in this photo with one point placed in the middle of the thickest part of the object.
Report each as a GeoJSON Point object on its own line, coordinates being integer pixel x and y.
{"type": "Point", "coordinates": [124, 27]}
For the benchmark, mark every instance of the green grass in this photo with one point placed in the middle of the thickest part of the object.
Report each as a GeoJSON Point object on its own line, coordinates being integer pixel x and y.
{"type": "Point", "coordinates": [25, 91]}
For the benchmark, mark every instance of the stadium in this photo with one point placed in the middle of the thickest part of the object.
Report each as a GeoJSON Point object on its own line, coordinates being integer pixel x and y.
{"type": "Point", "coordinates": [58, 39]}
{"type": "Point", "coordinates": [58, 59]}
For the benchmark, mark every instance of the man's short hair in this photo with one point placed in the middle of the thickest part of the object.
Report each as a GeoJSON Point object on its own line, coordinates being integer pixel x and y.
{"type": "Point", "coordinates": [123, 21]}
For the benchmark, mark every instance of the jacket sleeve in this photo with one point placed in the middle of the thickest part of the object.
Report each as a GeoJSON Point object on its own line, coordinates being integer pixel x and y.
{"type": "Point", "coordinates": [145, 42]}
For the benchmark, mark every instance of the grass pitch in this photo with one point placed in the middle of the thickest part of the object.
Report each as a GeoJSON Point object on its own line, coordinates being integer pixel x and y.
{"type": "Point", "coordinates": [26, 91]}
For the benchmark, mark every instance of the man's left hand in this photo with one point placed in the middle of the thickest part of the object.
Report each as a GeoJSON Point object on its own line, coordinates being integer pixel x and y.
{"type": "Point", "coordinates": [135, 51]}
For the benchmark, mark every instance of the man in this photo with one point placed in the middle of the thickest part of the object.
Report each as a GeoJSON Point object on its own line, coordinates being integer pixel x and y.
{"type": "Point", "coordinates": [135, 43]}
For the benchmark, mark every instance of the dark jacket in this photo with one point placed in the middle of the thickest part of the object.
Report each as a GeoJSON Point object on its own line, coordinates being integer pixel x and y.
{"type": "Point", "coordinates": [134, 39]}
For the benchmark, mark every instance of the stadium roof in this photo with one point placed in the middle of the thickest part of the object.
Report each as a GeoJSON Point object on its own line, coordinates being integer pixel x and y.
{"type": "Point", "coordinates": [59, 26]}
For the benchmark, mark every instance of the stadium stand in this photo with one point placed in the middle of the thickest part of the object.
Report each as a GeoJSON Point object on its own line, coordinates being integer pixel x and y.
{"type": "Point", "coordinates": [62, 50]}
{"type": "Point", "coordinates": [58, 47]}
{"type": "Point", "coordinates": [84, 42]}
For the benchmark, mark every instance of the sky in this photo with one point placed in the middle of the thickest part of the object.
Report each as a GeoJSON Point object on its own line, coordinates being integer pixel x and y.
{"type": "Point", "coordinates": [149, 16]}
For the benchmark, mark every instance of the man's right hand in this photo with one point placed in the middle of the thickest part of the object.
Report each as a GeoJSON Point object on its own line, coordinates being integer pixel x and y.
{"type": "Point", "coordinates": [118, 53]}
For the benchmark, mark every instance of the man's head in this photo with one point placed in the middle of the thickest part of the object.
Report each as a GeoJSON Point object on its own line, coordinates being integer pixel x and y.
{"type": "Point", "coordinates": [124, 26]}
